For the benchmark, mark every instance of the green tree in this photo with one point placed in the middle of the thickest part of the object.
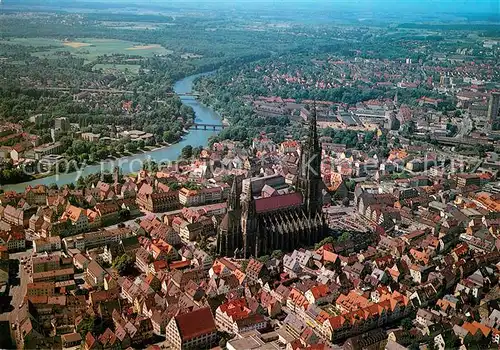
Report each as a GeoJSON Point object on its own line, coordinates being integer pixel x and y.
{"type": "Point", "coordinates": [244, 265]}
{"type": "Point", "coordinates": [169, 136]}
{"type": "Point", "coordinates": [86, 325]}
{"type": "Point", "coordinates": [124, 264]}
{"type": "Point", "coordinates": [406, 324]}
{"type": "Point", "coordinates": [345, 236]}
{"type": "Point", "coordinates": [351, 185]}
{"type": "Point", "coordinates": [277, 254]}
{"type": "Point", "coordinates": [124, 214]}
{"type": "Point", "coordinates": [197, 151]}
{"type": "Point", "coordinates": [131, 147]}
{"type": "Point", "coordinates": [150, 165]}
{"type": "Point", "coordinates": [326, 240]}
{"type": "Point", "coordinates": [264, 259]}
{"type": "Point", "coordinates": [120, 148]}
{"type": "Point", "coordinates": [187, 152]}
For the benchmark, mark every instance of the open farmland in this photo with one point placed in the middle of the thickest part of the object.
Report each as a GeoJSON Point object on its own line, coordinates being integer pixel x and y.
{"type": "Point", "coordinates": [123, 68]}
{"type": "Point", "coordinates": [89, 49]}
{"type": "Point", "coordinates": [75, 44]}
{"type": "Point", "coordinates": [135, 25]}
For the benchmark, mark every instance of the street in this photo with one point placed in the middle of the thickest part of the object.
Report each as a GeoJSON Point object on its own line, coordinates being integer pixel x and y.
{"type": "Point", "coordinates": [17, 291]}
{"type": "Point", "coordinates": [464, 125]}
{"type": "Point", "coordinates": [133, 225]}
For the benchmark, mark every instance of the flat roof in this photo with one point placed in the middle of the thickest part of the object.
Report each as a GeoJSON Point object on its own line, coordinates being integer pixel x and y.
{"type": "Point", "coordinates": [245, 343]}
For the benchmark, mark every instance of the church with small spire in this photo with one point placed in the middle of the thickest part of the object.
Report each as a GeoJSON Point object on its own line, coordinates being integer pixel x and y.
{"type": "Point", "coordinates": [264, 215]}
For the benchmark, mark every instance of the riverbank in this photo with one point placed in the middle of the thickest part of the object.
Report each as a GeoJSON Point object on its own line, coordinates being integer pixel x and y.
{"type": "Point", "coordinates": [82, 165]}
{"type": "Point", "coordinates": [133, 163]}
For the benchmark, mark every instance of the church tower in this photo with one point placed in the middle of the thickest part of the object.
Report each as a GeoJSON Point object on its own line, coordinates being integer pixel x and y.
{"type": "Point", "coordinates": [249, 227]}
{"type": "Point", "coordinates": [309, 176]}
{"type": "Point", "coordinates": [207, 167]}
{"type": "Point", "coordinates": [116, 175]}
{"type": "Point", "coordinates": [229, 231]}
{"type": "Point", "coordinates": [233, 200]}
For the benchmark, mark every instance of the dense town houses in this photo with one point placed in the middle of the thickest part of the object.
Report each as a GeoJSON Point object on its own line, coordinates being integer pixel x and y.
{"type": "Point", "coordinates": [156, 199]}
{"type": "Point", "coordinates": [192, 330]}
{"type": "Point", "coordinates": [399, 247]}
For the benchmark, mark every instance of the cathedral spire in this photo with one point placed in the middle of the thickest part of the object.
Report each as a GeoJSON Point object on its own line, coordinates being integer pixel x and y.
{"type": "Point", "coordinates": [233, 200]}
{"type": "Point", "coordinates": [309, 179]}
{"type": "Point", "coordinates": [313, 131]}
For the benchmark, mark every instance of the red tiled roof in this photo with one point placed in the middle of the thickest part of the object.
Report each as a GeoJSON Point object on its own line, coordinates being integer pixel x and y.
{"type": "Point", "coordinates": [89, 340]}
{"type": "Point", "coordinates": [255, 266]}
{"type": "Point", "coordinates": [278, 202]}
{"type": "Point", "coordinates": [319, 291]}
{"type": "Point", "coordinates": [236, 309]}
{"type": "Point", "coordinates": [194, 324]}
{"type": "Point", "coordinates": [179, 264]}
{"type": "Point", "coordinates": [336, 322]}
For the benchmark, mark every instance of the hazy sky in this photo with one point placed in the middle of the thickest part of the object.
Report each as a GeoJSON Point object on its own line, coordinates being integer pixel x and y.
{"type": "Point", "coordinates": [491, 7]}
{"type": "Point", "coordinates": [429, 6]}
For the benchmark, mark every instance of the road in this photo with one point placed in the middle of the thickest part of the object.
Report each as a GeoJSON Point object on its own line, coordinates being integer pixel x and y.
{"type": "Point", "coordinates": [20, 255]}
{"type": "Point", "coordinates": [18, 290]}
{"type": "Point", "coordinates": [464, 125]}
{"type": "Point", "coordinates": [133, 225]}
{"type": "Point", "coordinates": [110, 91]}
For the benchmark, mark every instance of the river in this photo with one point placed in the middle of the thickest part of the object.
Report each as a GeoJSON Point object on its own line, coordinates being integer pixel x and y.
{"type": "Point", "coordinates": [203, 114]}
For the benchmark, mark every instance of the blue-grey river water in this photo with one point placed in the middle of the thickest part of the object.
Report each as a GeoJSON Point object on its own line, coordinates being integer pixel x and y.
{"type": "Point", "coordinates": [133, 163]}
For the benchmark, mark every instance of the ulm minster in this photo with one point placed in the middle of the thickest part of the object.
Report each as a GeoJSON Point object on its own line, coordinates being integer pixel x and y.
{"type": "Point", "coordinates": [249, 174]}
{"type": "Point", "coordinates": [264, 215]}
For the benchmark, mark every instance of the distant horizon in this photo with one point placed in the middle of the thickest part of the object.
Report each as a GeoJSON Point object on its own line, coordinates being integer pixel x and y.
{"type": "Point", "coordinates": [490, 8]}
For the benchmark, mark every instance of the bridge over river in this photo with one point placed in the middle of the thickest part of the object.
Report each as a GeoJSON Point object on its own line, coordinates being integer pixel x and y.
{"type": "Point", "coordinates": [184, 94]}
{"type": "Point", "coordinates": [203, 126]}
{"type": "Point", "coordinates": [206, 124]}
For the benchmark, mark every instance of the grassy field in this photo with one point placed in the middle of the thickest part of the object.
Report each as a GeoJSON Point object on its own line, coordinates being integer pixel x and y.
{"type": "Point", "coordinates": [124, 68]}
{"type": "Point", "coordinates": [35, 42]}
{"type": "Point", "coordinates": [135, 25]}
{"type": "Point", "coordinates": [89, 49]}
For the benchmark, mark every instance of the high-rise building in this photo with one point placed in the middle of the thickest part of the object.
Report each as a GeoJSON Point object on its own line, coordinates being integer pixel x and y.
{"type": "Point", "coordinates": [494, 111]}
{"type": "Point", "coordinates": [62, 124]}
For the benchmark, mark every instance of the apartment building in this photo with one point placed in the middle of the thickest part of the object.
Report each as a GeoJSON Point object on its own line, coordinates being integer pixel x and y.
{"type": "Point", "coordinates": [192, 330]}
{"type": "Point", "coordinates": [40, 289]}
{"type": "Point", "coordinates": [77, 217]}
{"type": "Point", "coordinates": [155, 201]}
{"type": "Point", "coordinates": [464, 180]}
{"type": "Point", "coordinates": [47, 244]}
{"type": "Point", "coordinates": [45, 263]}
{"type": "Point", "coordinates": [95, 274]}
{"type": "Point", "coordinates": [190, 198]}
{"type": "Point", "coordinates": [235, 317]}
{"type": "Point", "coordinates": [54, 275]}
{"type": "Point", "coordinates": [13, 240]}
{"type": "Point", "coordinates": [97, 239]}
{"type": "Point", "coordinates": [36, 195]}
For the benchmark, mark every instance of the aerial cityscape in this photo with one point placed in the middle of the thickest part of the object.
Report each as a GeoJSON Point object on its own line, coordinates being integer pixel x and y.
{"type": "Point", "coordinates": [245, 175]}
